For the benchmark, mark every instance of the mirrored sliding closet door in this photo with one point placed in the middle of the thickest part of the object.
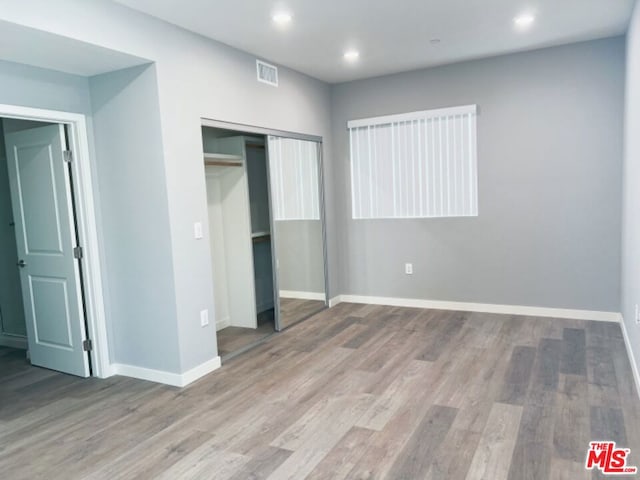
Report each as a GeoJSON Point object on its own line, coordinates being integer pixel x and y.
{"type": "Point", "coordinates": [295, 187]}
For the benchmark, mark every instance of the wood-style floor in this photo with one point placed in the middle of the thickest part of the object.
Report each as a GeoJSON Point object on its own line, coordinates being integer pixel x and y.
{"type": "Point", "coordinates": [293, 310]}
{"type": "Point", "coordinates": [234, 339]}
{"type": "Point", "coordinates": [355, 392]}
{"type": "Point", "coordinates": [237, 339]}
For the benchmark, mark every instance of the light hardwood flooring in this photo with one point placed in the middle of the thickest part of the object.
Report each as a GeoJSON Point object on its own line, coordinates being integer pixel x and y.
{"type": "Point", "coordinates": [355, 392]}
{"type": "Point", "coordinates": [234, 339]}
{"type": "Point", "coordinates": [293, 310]}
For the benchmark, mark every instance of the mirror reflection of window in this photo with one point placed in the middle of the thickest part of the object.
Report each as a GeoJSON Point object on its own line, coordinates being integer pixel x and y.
{"type": "Point", "coordinates": [294, 177]}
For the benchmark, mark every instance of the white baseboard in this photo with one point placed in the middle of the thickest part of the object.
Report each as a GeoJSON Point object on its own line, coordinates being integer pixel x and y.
{"type": "Point", "coordinates": [481, 308]}
{"type": "Point", "coordinates": [302, 295]}
{"type": "Point", "coordinates": [634, 364]}
{"type": "Point", "coordinates": [167, 378]}
{"type": "Point", "coordinates": [335, 301]}
{"type": "Point", "coordinates": [13, 341]}
{"type": "Point", "coordinates": [200, 371]}
{"type": "Point", "coordinates": [223, 323]}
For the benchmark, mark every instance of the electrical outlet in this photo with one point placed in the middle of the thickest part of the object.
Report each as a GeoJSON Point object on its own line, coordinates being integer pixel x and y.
{"type": "Point", "coordinates": [408, 268]}
{"type": "Point", "coordinates": [204, 318]}
{"type": "Point", "coordinates": [637, 314]}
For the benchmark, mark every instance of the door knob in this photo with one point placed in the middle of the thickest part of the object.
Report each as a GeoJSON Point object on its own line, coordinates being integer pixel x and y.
{"type": "Point", "coordinates": [21, 264]}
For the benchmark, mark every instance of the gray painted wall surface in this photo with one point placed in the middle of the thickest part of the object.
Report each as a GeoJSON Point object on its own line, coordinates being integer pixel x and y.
{"type": "Point", "coordinates": [196, 78]}
{"type": "Point", "coordinates": [39, 88]}
{"type": "Point", "coordinates": [631, 199]}
{"type": "Point", "coordinates": [550, 150]}
{"type": "Point", "coordinates": [10, 291]}
{"type": "Point", "coordinates": [11, 125]}
{"type": "Point", "coordinates": [136, 239]}
{"type": "Point", "coordinates": [300, 257]}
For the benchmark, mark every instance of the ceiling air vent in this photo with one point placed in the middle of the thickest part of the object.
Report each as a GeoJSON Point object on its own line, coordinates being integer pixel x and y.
{"type": "Point", "coordinates": [267, 73]}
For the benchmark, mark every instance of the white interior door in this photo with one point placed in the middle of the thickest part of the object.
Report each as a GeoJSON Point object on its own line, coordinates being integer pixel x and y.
{"type": "Point", "coordinates": [45, 232]}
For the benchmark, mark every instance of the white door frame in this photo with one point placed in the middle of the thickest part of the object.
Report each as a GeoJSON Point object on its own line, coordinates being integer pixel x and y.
{"type": "Point", "coordinates": [87, 226]}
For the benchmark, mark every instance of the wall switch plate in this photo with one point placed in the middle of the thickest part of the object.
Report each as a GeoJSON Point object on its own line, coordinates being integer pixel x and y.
{"type": "Point", "coordinates": [204, 318]}
{"type": "Point", "coordinates": [408, 268]}
{"type": "Point", "coordinates": [197, 230]}
{"type": "Point", "coordinates": [637, 314]}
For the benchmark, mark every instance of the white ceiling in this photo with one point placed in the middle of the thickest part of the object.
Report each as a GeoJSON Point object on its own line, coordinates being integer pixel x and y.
{"type": "Point", "coordinates": [391, 35]}
{"type": "Point", "coordinates": [45, 50]}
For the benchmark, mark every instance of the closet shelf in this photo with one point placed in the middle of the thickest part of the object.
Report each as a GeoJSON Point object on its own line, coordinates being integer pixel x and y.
{"type": "Point", "coordinates": [222, 160]}
{"type": "Point", "coordinates": [260, 236]}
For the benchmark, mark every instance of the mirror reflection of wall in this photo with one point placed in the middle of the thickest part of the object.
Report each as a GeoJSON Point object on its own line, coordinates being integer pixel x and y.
{"type": "Point", "coordinates": [299, 242]}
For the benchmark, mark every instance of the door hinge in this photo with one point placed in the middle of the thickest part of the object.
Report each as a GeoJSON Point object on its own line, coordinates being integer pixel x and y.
{"type": "Point", "coordinates": [87, 346]}
{"type": "Point", "coordinates": [68, 156]}
{"type": "Point", "coordinates": [78, 253]}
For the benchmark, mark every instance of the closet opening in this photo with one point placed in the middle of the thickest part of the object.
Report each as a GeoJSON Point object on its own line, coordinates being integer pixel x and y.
{"type": "Point", "coordinates": [266, 233]}
{"type": "Point", "coordinates": [240, 237]}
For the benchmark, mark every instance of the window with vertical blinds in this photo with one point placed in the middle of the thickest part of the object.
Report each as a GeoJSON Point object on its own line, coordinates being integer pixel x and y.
{"type": "Point", "coordinates": [415, 165]}
{"type": "Point", "coordinates": [293, 168]}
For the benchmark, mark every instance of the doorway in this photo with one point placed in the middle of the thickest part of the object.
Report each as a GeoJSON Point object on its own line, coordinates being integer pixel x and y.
{"type": "Point", "coordinates": [52, 297]}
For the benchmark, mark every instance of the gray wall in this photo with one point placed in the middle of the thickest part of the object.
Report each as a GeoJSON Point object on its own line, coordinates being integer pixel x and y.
{"type": "Point", "coordinates": [631, 198]}
{"type": "Point", "coordinates": [300, 256]}
{"type": "Point", "coordinates": [40, 88]}
{"type": "Point", "coordinates": [550, 149]}
{"type": "Point", "coordinates": [136, 241]}
{"type": "Point", "coordinates": [11, 307]}
{"type": "Point", "coordinates": [11, 125]}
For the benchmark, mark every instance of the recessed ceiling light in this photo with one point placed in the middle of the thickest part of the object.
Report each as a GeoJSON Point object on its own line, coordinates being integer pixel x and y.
{"type": "Point", "coordinates": [282, 18]}
{"type": "Point", "coordinates": [434, 41]}
{"type": "Point", "coordinates": [524, 21]}
{"type": "Point", "coordinates": [352, 55]}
